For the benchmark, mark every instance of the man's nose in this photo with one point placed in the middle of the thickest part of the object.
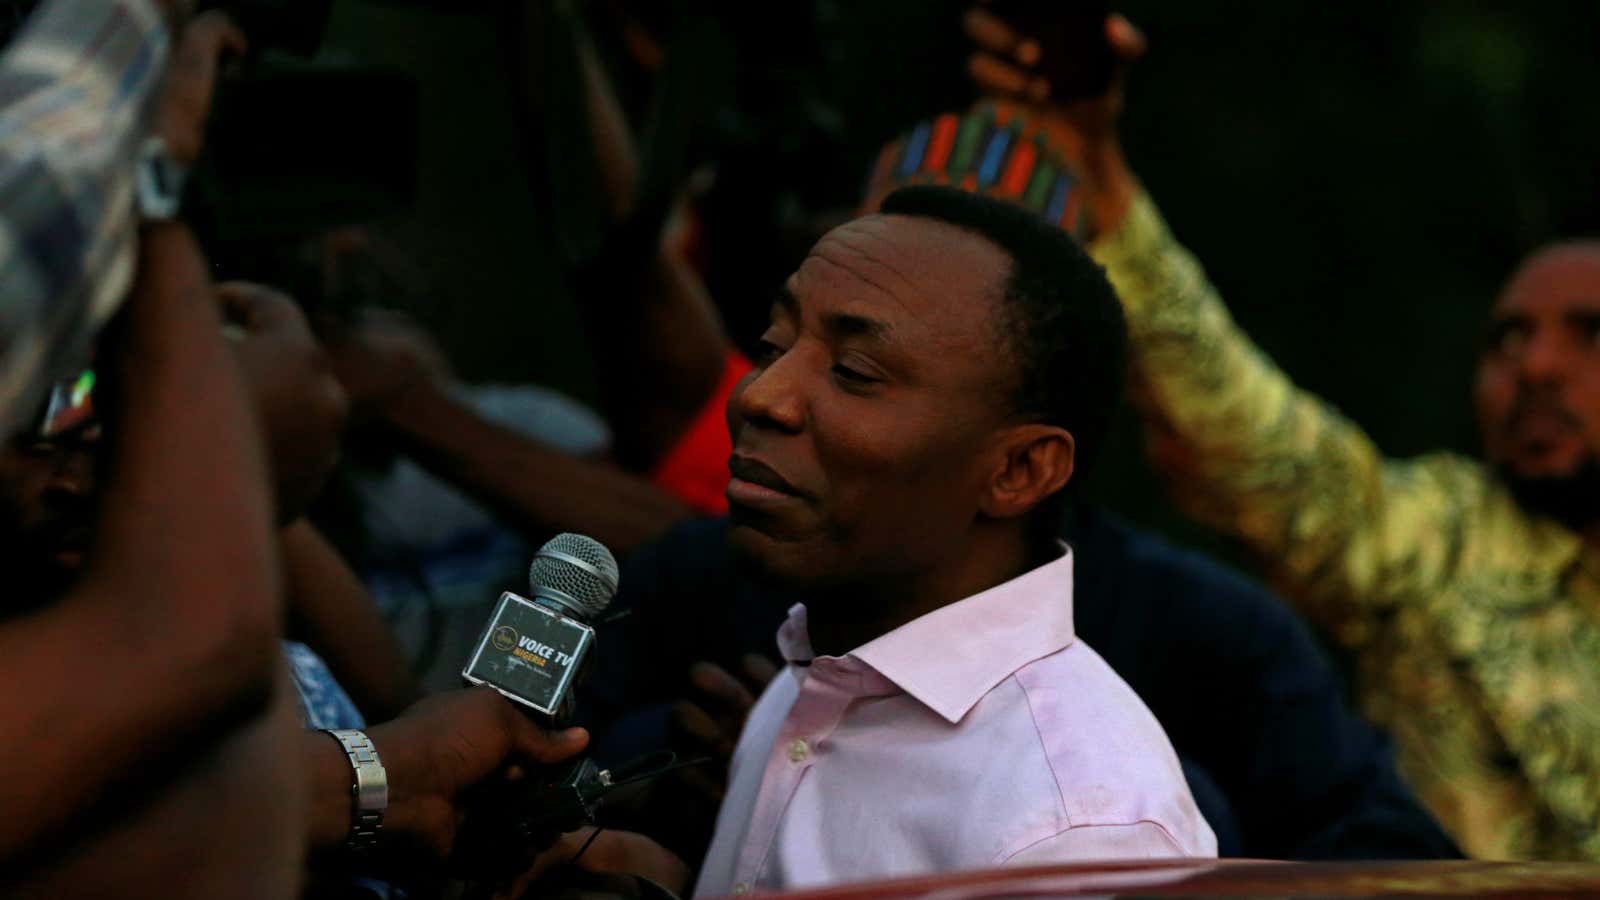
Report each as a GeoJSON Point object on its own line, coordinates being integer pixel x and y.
{"type": "Point", "coordinates": [75, 475]}
{"type": "Point", "coordinates": [1546, 358]}
{"type": "Point", "coordinates": [772, 397]}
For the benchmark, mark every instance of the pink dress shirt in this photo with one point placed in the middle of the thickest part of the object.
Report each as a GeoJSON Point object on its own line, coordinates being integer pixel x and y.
{"type": "Point", "coordinates": [981, 734]}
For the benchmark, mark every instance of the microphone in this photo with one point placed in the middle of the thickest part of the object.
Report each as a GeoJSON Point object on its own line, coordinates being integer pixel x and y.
{"type": "Point", "coordinates": [533, 650]}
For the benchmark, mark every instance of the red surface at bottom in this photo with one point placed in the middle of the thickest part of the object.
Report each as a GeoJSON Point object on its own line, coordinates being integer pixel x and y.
{"type": "Point", "coordinates": [1214, 878]}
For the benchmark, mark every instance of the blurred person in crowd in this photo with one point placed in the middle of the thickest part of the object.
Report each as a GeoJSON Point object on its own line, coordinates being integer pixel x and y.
{"type": "Point", "coordinates": [160, 557]}
{"type": "Point", "coordinates": [877, 479]}
{"type": "Point", "coordinates": [434, 751]}
{"type": "Point", "coordinates": [662, 358]}
{"type": "Point", "coordinates": [1463, 588]}
{"type": "Point", "coordinates": [151, 686]}
{"type": "Point", "coordinates": [488, 470]}
{"type": "Point", "coordinates": [143, 650]}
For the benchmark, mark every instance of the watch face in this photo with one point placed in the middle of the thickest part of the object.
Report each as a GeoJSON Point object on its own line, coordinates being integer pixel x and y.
{"type": "Point", "coordinates": [158, 182]}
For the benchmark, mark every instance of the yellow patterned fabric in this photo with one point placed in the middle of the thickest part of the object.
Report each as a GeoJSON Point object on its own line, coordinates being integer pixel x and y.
{"type": "Point", "coordinates": [1475, 626]}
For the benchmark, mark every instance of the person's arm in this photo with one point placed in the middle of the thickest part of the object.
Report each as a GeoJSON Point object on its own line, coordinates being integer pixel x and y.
{"type": "Point", "coordinates": [395, 381]}
{"type": "Point", "coordinates": [1243, 449]}
{"type": "Point", "coordinates": [536, 488]}
{"type": "Point", "coordinates": [432, 754]}
{"type": "Point", "coordinates": [438, 754]}
{"type": "Point", "coordinates": [170, 638]}
{"type": "Point", "coordinates": [334, 614]}
{"type": "Point", "coordinates": [1246, 451]}
{"type": "Point", "coordinates": [75, 87]}
{"type": "Point", "coordinates": [658, 341]}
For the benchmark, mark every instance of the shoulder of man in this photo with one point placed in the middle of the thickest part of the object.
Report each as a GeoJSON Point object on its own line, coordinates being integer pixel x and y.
{"type": "Point", "coordinates": [1112, 761]}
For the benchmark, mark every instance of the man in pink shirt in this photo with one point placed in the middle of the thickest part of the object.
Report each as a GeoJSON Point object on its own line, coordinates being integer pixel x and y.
{"type": "Point", "coordinates": [931, 377]}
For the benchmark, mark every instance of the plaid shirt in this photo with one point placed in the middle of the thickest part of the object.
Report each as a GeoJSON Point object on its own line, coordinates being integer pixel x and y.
{"type": "Point", "coordinates": [1475, 625]}
{"type": "Point", "coordinates": [74, 89]}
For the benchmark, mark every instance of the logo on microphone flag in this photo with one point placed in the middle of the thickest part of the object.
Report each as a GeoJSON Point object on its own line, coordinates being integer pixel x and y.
{"type": "Point", "coordinates": [529, 653]}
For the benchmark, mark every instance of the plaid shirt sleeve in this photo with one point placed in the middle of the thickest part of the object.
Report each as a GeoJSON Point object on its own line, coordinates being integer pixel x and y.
{"type": "Point", "coordinates": [75, 85]}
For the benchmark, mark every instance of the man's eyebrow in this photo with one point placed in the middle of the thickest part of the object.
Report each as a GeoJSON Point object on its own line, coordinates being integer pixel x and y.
{"type": "Point", "coordinates": [785, 298]}
{"type": "Point", "coordinates": [846, 325]}
{"type": "Point", "coordinates": [838, 324]}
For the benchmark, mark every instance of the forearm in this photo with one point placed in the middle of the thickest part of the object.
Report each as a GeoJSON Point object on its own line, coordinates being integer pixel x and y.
{"type": "Point", "coordinates": [1242, 447]}
{"type": "Point", "coordinates": [659, 345]}
{"type": "Point", "coordinates": [185, 529]}
{"type": "Point", "coordinates": [332, 612]}
{"type": "Point", "coordinates": [647, 311]}
{"type": "Point", "coordinates": [536, 488]}
{"type": "Point", "coordinates": [170, 637]}
{"type": "Point", "coordinates": [615, 154]}
{"type": "Point", "coordinates": [329, 778]}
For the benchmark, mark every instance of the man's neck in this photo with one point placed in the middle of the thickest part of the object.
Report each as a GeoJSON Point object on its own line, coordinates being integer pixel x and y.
{"type": "Point", "coordinates": [1591, 536]}
{"type": "Point", "coordinates": [845, 617]}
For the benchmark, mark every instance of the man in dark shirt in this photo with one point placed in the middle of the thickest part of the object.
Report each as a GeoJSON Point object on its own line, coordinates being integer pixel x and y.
{"type": "Point", "coordinates": [1278, 764]}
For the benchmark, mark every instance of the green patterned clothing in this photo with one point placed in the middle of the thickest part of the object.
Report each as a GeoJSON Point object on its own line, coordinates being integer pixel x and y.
{"type": "Point", "coordinates": [1475, 625]}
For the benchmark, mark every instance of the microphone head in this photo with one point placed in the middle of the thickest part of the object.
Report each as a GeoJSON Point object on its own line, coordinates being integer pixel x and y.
{"type": "Point", "coordinates": [577, 572]}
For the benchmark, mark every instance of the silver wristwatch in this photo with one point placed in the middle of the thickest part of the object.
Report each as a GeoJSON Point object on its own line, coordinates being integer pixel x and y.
{"type": "Point", "coordinates": [370, 792]}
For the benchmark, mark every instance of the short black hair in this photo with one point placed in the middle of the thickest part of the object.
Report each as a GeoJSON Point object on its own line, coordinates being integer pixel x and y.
{"type": "Point", "coordinates": [1061, 318]}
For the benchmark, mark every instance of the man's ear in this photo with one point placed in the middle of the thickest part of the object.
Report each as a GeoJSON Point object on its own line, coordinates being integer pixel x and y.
{"type": "Point", "coordinates": [1034, 461]}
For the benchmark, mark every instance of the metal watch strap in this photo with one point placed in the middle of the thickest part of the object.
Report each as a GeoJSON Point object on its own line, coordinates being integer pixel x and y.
{"type": "Point", "coordinates": [369, 793]}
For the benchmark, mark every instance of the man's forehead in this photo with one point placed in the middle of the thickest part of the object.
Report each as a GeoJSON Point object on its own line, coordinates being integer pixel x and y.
{"type": "Point", "coordinates": [1558, 278]}
{"type": "Point", "coordinates": [904, 266]}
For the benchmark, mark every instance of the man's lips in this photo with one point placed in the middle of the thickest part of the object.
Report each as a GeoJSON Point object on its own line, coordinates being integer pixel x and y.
{"type": "Point", "coordinates": [1541, 425]}
{"type": "Point", "coordinates": [70, 545]}
{"type": "Point", "coordinates": [754, 483]}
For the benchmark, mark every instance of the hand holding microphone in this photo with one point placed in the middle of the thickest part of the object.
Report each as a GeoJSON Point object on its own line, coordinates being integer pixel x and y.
{"type": "Point", "coordinates": [445, 746]}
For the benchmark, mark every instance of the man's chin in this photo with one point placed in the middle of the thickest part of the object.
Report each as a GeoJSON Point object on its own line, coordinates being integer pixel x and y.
{"type": "Point", "coordinates": [768, 558]}
{"type": "Point", "coordinates": [1570, 495]}
{"type": "Point", "coordinates": [38, 586]}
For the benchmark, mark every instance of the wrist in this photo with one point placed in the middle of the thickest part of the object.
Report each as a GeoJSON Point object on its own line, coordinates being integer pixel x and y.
{"type": "Point", "coordinates": [328, 806]}
{"type": "Point", "coordinates": [411, 405]}
{"type": "Point", "coordinates": [401, 818]}
{"type": "Point", "coordinates": [1112, 187]}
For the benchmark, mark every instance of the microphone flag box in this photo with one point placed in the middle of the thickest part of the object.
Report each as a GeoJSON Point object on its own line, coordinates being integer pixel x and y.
{"type": "Point", "coordinates": [529, 653]}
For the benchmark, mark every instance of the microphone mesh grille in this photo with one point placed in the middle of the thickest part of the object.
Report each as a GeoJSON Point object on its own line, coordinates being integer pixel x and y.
{"type": "Point", "coordinates": [591, 591]}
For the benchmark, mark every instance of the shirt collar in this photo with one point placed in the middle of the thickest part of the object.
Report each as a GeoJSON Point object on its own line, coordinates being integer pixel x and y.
{"type": "Point", "coordinates": [950, 658]}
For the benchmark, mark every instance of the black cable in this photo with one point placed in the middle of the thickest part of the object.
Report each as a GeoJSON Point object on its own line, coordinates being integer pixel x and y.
{"type": "Point", "coordinates": [657, 773]}
{"type": "Point", "coordinates": [586, 844]}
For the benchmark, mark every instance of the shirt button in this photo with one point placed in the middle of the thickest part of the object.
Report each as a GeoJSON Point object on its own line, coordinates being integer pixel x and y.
{"type": "Point", "coordinates": [741, 888]}
{"type": "Point", "coordinates": [798, 751]}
